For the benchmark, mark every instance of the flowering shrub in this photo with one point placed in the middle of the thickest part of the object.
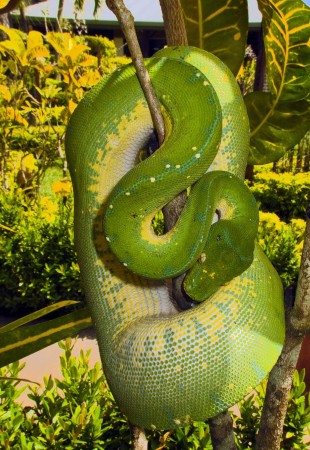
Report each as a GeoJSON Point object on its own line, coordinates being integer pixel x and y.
{"type": "Point", "coordinates": [285, 194]}
{"type": "Point", "coordinates": [42, 79]}
{"type": "Point", "coordinates": [38, 264]}
{"type": "Point", "coordinates": [283, 244]}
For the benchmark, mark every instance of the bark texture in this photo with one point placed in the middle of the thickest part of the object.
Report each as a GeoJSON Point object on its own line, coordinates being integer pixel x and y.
{"type": "Point", "coordinates": [138, 439]}
{"type": "Point", "coordinates": [174, 22]}
{"type": "Point", "coordinates": [300, 316]}
{"type": "Point", "coordinates": [221, 430]}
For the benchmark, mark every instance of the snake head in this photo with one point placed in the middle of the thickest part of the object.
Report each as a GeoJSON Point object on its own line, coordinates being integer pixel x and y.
{"type": "Point", "coordinates": [227, 254]}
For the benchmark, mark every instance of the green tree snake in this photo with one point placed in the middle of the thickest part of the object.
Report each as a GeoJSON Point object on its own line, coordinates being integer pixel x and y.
{"type": "Point", "coordinates": [166, 367]}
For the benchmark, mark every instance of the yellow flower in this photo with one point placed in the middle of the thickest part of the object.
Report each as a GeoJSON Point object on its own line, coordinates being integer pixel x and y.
{"type": "Point", "coordinates": [270, 221]}
{"type": "Point", "coordinates": [302, 178]}
{"type": "Point", "coordinates": [62, 187]}
{"type": "Point", "coordinates": [29, 163]}
{"type": "Point", "coordinates": [49, 209]}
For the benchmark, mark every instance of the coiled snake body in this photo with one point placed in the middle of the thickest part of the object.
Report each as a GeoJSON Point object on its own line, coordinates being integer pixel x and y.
{"type": "Point", "coordinates": [163, 366]}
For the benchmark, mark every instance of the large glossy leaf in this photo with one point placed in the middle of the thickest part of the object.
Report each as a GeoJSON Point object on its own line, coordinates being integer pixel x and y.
{"type": "Point", "coordinates": [281, 117]}
{"type": "Point", "coordinates": [36, 315]}
{"type": "Point", "coordinates": [14, 42]}
{"type": "Point", "coordinates": [218, 26]}
{"type": "Point", "coordinates": [34, 39]}
{"type": "Point", "coordinates": [18, 340]}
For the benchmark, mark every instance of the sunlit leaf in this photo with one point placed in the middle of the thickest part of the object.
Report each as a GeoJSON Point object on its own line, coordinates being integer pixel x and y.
{"type": "Point", "coordinates": [219, 27]}
{"type": "Point", "coordinates": [14, 42]}
{"type": "Point", "coordinates": [36, 52]}
{"type": "Point", "coordinates": [62, 42]}
{"type": "Point", "coordinates": [77, 53]}
{"type": "Point", "coordinates": [5, 93]}
{"type": "Point", "coordinates": [13, 115]}
{"type": "Point", "coordinates": [280, 118]}
{"type": "Point", "coordinates": [34, 39]}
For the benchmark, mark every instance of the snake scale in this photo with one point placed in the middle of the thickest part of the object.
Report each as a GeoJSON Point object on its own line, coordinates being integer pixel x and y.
{"type": "Point", "coordinates": [166, 367]}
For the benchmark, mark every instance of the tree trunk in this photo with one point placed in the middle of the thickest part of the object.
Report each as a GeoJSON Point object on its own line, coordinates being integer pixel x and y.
{"type": "Point", "coordinates": [222, 434]}
{"type": "Point", "coordinates": [5, 21]}
{"type": "Point", "coordinates": [281, 376]}
{"type": "Point", "coordinates": [174, 22]}
{"type": "Point", "coordinates": [23, 19]}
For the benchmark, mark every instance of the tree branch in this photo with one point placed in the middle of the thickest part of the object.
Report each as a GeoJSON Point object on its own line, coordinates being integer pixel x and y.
{"type": "Point", "coordinates": [300, 316]}
{"type": "Point", "coordinates": [281, 376]}
{"type": "Point", "coordinates": [221, 431]}
{"type": "Point", "coordinates": [126, 21]}
{"type": "Point", "coordinates": [138, 439]}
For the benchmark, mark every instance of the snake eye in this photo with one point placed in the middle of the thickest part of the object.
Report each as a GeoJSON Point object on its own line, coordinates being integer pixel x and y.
{"type": "Point", "coordinates": [217, 216]}
{"type": "Point", "coordinates": [218, 237]}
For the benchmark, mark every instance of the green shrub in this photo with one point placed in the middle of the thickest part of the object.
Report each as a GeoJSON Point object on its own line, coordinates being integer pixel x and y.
{"type": "Point", "coordinates": [296, 422]}
{"type": "Point", "coordinates": [38, 264]}
{"type": "Point", "coordinates": [285, 194]}
{"type": "Point", "coordinates": [79, 412]}
{"type": "Point", "coordinates": [282, 243]}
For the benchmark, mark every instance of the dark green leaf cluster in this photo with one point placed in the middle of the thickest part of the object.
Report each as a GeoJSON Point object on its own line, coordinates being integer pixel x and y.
{"type": "Point", "coordinates": [38, 264]}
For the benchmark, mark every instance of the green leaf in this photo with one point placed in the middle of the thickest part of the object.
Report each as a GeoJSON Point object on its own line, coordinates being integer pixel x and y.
{"type": "Point", "coordinates": [23, 341]}
{"type": "Point", "coordinates": [34, 39]}
{"type": "Point", "coordinates": [219, 27]}
{"type": "Point", "coordinates": [280, 118]}
{"type": "Point", "coordinates": [15, 40]}
{"type": "Point", "coordinates": [36, 315]}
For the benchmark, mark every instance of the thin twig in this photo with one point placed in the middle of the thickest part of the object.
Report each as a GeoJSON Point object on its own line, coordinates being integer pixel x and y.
{"type": "Point", "coordinates": [126, 21]}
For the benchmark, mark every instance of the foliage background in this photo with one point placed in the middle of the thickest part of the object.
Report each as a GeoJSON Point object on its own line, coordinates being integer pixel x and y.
{"type": "Point", "coordinates": [78, 411]}
{"type": "Point", "coordinates": [42, 80]}
{"type": "Point", "coordinates": [35, 112]}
